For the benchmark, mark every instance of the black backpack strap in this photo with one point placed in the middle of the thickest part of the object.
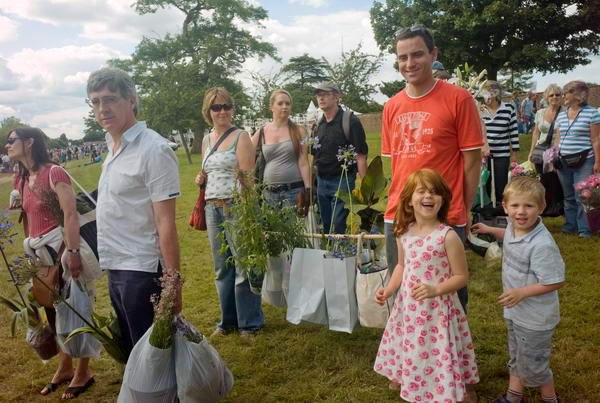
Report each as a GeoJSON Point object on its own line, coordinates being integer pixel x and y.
{"type": "Point", "coordinates": [346, 115]}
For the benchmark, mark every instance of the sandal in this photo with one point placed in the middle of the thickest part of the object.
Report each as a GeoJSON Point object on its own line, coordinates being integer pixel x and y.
{"type": "Point", "coordinates": [51, 387]}
{"type": "Point", "coordinates": [75, 391]}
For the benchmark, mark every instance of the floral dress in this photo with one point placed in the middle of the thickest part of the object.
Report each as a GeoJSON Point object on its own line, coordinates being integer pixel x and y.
{"type": "Point", "coordinates": [426, 346]}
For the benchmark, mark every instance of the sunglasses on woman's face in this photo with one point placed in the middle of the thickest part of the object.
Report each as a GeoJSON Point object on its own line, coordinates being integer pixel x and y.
{"type": "Point", "coordinates": [219, 107]}
{"type": "Point", "coordinates": [11, 140]}
{"type": "Point", "coordinates": [554, 95]}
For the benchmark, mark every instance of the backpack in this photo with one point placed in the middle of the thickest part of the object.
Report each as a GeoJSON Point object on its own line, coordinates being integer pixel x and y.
{"type": "Point", "coordinates": [346, 116]}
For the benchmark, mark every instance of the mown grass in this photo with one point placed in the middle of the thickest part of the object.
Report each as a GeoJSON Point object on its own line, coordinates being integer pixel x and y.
{"type": "Point", "coordinates": [309, 363]}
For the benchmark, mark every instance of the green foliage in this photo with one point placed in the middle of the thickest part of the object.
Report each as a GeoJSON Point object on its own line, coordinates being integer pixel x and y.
{"type": "Point", "coordinates": [541, 35]}
{"type": "Point", "coordinates": [391, 88]}
{"type": "Point", "coordinates": [364, 200]}
{"type": "Point", "coordinates": [92, 130]}
{"type": "Point", "coordinates": [264, 85]}
{"type": "Point", "coordinates": [302, 73]}
{"type": "Point", "coordinates": [106, 330]}
{"type": "Point", "coordinates": [174, 72]}
{"type": "Point", "coordinates": [261, 231]}
{"type": "Point", "coordinates": [467, 78]}
{"type": "Point", "coordinates": [27, 313]}
{"type": "Point", "coordinates": [353, 74]}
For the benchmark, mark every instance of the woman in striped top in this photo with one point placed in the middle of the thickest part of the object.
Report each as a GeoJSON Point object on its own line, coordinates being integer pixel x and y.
{"type": "Point", "coordinates": [503, 138]}
{"type": "Point", "coordinates": [579, 128]}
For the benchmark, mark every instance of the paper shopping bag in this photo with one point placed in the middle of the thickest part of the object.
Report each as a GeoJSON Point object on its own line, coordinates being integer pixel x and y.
{"type": "Point", "coordinates": [306, 298]}
{"type": "Point", "coordinates": [370, 313]}
{"type": "Point", "coordinates": [340, 276]}
{"type": "Point", "coordinates": [275, 278]}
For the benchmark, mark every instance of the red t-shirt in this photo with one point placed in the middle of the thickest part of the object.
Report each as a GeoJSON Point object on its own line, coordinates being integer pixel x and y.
{"type": "Point", "coordinates": [39, 218]}
{"type": "Point", "coordinates": [430, 132]}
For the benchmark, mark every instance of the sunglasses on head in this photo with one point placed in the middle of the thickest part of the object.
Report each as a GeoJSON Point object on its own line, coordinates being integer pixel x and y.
{"type": "Point", "coordinates": [11, 140]}
{"type": "Point", "coordinates": [219, 107]}
{"type": "Point", "coordinates": [414, 28]}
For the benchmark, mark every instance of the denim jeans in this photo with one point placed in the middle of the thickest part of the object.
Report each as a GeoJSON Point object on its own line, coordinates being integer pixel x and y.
{"type": "Point", "coordinates": [286, 198]}
{"type": "Point", "coordinates": [240, 308]}
{"type": "Point", "coordinates": [327, 187]}
{"type": "Point", "coordinates": [391, 252]}
{"type": "Point", "coordinates": [575, 216]}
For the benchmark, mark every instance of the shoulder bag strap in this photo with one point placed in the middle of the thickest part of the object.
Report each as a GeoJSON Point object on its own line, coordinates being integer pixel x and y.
{"type": "Point", "coordinates": [550, 135]}
{"type": "Point", "coordinates": [218, 143]}
{"type": "Point", "coordinates": [569, 128]}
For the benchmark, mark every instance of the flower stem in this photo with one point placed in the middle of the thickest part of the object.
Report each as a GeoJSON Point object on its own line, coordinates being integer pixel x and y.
{"type": "Point", "coordinates": [335, 203]}
{"type": "Point", "coordinates": [14, 281]}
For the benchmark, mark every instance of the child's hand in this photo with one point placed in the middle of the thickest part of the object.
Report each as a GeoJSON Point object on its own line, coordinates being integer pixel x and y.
{"type": "Point", "coordinates": [382, 295]}
{"type": "Point", "coordinates": [422, 291]}
{"type": "Point", "coordinates": [512, 297]}
{"type": "Point", "coordinates": [480, 228]}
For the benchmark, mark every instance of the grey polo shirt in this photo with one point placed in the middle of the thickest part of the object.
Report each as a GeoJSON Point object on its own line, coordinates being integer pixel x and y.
{"type": "Point", "coordinates": [533, 258]}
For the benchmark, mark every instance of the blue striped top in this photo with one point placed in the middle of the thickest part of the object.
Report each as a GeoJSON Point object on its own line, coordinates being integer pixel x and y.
{"type": "Point", "coordinates": [578, 137]}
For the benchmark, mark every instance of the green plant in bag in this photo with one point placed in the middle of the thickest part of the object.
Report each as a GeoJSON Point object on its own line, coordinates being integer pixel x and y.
{"type": "Point", "coordinates": [366, 200]}
{"type": "Point", "coordinates": [23, 311]}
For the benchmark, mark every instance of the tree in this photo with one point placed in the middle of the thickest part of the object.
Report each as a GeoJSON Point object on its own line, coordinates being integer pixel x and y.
{"type": "Point", "coordinates": [264, 85]}
{"type": "Point", "coordinates": [523, 35]}
{"type": "Point", "coordinates": [174, 72]}
{"type": "Point", "coordinates": [353, 74]}
{"type": "Point", "coordinates": [92, 130]}
{"type": "Point", "coordinates": [6, 125]}
{"type": "Point", "coordinates": [391, 88]}
{"type": "Point", "coordinates": [515, 81]}
{"type": "Point", "coordinates": [301, 72]}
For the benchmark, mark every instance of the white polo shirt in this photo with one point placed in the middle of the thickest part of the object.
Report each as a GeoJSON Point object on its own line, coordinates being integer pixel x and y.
{"type": "Point", "coordinates": [144, 170]}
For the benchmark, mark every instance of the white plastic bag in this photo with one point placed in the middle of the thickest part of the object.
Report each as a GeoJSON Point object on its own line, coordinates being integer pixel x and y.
{"type": "Point", "coordinates": [273, 291]}
{"type": "Point", "coordinates": [149, 374]}
{"type": "Point", "coordinates": [370, 313]}
{"type": "Point", "coordinates": [84, 345]}
{"type": "Point", "coordinates": [306, 299]}
{"type": "Point", "coordinates": [202, 376]}
{"type": "Point", "coordinates": [340, 294]}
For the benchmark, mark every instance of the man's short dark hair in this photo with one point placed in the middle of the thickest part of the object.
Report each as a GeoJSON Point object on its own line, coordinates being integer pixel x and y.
{"type": "Point", "coordinates": [414, 31]}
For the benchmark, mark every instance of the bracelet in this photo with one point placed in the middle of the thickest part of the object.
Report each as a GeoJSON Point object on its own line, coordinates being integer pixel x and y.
{"type": "Point", "coordinates": [73, 250]}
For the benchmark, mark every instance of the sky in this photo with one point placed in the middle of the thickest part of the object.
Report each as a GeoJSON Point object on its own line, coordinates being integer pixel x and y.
{"type": "Point", "coordinates": [48, 48]}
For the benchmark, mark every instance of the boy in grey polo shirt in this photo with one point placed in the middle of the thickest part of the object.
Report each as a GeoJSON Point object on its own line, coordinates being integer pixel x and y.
{"type": "Point", "coordinates": [532, 272]}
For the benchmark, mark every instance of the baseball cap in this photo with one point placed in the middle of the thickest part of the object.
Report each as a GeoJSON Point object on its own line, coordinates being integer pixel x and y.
{"type": "Point", "coordinates": [437, 66]}
{"type": "Point", "coordinates": [327, 86]}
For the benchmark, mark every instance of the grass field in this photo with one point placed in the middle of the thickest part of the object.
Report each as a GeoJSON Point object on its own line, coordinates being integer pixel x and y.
{"type": "Point", "coordinates": [310, 363]}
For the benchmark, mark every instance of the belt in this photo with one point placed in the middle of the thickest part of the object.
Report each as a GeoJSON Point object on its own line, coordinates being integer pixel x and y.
{"type": "Point", "coordinates": [285, 187]}
{"type": "Point", "coordinates": [218, 202]}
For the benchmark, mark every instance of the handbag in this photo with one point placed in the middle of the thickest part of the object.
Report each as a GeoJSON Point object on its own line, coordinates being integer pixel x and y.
{"type": "Point", "coordinates": [537, 156]}
{"type": "Point", "coordinates": [46, 283]}
{"type": "Point", "coordinates": [574, 160]}
{"type": "Point", "coordinates": [198, 218]}
{"type": "Point", "coordinates": [260, 161]}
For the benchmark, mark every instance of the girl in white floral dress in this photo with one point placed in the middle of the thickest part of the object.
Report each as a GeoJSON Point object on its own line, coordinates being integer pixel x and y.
{"type": "Point", "coordinates": [426, 347]}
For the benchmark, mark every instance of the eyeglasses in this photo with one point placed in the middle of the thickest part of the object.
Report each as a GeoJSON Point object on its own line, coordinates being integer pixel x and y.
{"type": "Point", "coordinates": [555, 95]}
{"type": "Point", "coordinates": [414, 28]}
{"type": "Point", "coordinates": [11, 140]}
{"type": "Point", "coordinates": [106, 101]}
{"type": "Point", "coordinates": [570, 91]}
{"type": "Point", "coordinates": [219, 107]}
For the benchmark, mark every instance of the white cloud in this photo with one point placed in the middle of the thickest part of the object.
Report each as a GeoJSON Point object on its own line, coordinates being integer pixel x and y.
{"type": "Point", "coordinates": [68, 121]}
{"type": "Point", "coordinates": [100, 19]}
{"type": "Point", "coordinates": [8, 29]}
{"type": "Point", "coordinates": [311, 3]}
{"type": "Point", "coordinates": [6, 111]}
{"type": "Point", "coordinates": [587, 73]}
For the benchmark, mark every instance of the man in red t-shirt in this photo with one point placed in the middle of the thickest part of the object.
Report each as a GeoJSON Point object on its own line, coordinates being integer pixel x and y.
{"type": "Point", "coordinates": [430, 124]}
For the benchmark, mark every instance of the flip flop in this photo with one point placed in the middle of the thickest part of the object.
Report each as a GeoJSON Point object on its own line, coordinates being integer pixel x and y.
{"type": "Point", "coordinates": [75, 391]}
{"type": "Point", "coordinates": [51, 387]}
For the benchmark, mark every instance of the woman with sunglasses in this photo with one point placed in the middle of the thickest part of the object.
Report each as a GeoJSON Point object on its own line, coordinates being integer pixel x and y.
{"type": "Point", "coordinates": [286, 174]}
{"type": "Point", "coordinates": [225, 151]}
{"type": "Point", "coordinates": [36, 177]}
{"type": "Point", "coordinates": [579, 128]}
{"type": "Point", "coordinates": [544, 119]}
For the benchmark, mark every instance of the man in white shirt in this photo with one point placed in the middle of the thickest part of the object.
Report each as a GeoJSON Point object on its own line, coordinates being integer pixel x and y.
{"type": "Point", "coordinates": [137, 237]}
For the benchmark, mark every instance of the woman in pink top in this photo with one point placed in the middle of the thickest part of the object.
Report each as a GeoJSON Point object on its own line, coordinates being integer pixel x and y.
{"type": "Point", "coordinates": [27, 146]}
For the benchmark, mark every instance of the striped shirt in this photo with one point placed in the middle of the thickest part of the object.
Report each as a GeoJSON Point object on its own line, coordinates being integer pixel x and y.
{"type": "Point", "coordinates": [575, 135]}
{"type": "Point", "coordinates": [501, 128]}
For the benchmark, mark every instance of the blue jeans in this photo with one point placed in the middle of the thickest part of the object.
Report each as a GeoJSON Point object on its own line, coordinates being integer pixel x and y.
{"type": "Point", "coordinates": [240, 308]}
{"type": "Point", "coordinates": [575, 216]}
{"type": "Point", "coordinates": [286, 198]}
{"type": "Point", "coordinates": [327, 187]}
{"type": "Point", "coordinates": [391, 252]}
